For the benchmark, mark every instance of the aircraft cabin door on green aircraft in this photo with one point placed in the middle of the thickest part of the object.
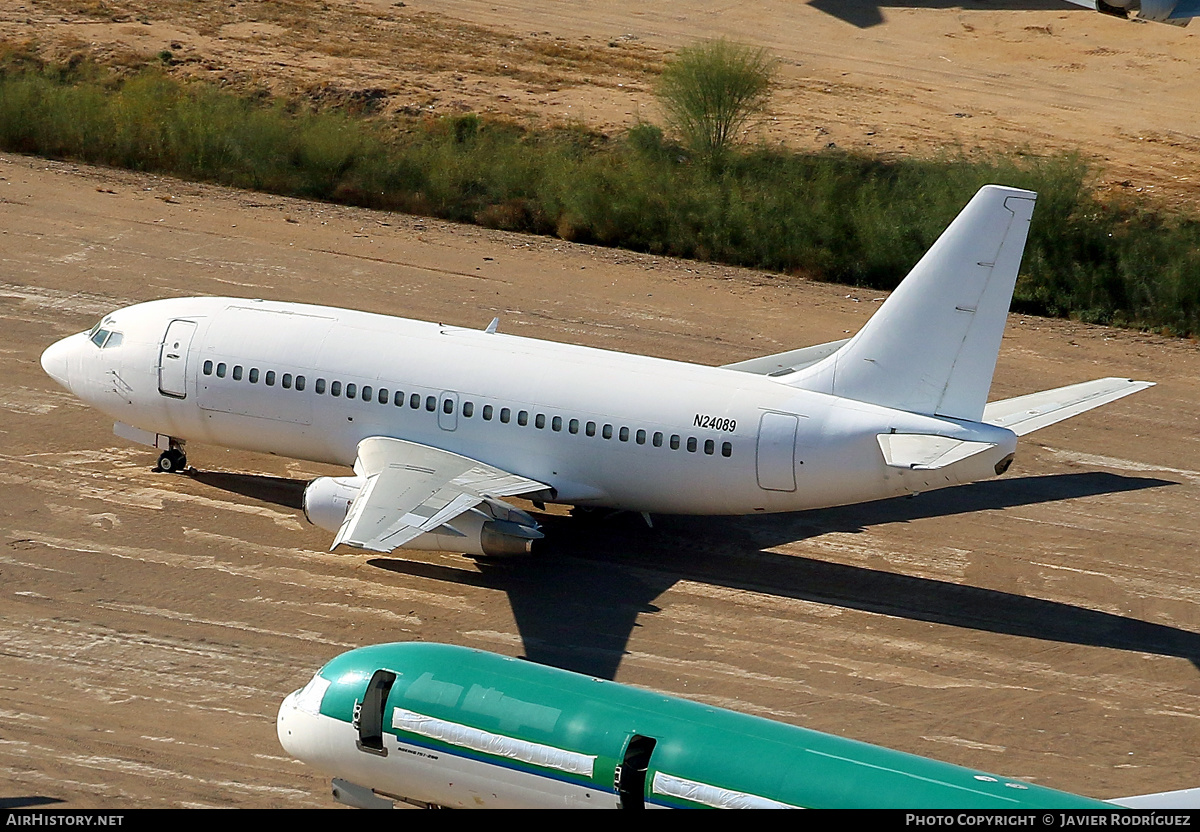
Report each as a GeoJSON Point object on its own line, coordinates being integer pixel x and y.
{"type": "Point", "coordinates": [172, 359]}
{"type": "Point", "coordinates": [777, 451]}
{"type": "Point", "coordinates": [630, 776]}
{"type": "Point", "coordinates": [368, 716]}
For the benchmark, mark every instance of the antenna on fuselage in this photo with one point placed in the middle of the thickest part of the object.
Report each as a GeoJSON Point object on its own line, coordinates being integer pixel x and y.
{"type": "Point", "coordinates": [491, 328]}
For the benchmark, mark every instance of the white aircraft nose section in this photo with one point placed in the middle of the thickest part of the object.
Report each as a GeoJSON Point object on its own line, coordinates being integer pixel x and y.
{"type": "Point", "coordinates": [56, 360]}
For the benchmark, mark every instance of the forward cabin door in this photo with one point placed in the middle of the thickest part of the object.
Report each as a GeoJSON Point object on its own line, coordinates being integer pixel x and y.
{"type": "Point", "coordinates": [777, 452]}
{"type": "Point", "coordinates": [369, 714]}
{"type": "Point", "coordinates": [172, 359]}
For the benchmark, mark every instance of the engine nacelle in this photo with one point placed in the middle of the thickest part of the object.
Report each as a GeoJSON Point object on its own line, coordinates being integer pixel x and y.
{"type": "Point", "coordinates": [327, 499]}
{"type": "Point", "coordinates": [493, 529]}
{"type": "Point", "coordinates": [1157, 10]}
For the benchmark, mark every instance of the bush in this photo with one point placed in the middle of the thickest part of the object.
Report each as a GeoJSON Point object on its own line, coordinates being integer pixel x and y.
{"type": "Point", "coordinates": [710, 90]}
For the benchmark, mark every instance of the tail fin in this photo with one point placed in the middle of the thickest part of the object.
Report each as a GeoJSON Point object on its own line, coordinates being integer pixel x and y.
{"type": "Point", "coordinates": [931, 348]}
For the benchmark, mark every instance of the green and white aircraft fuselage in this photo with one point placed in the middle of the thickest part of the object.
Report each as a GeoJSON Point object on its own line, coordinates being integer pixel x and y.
{"type": "Point", "coordinates": [439, 725]}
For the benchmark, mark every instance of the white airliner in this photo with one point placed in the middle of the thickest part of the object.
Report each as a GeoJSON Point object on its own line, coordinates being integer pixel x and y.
{"type": "Point", "coordinates": [441, 423]}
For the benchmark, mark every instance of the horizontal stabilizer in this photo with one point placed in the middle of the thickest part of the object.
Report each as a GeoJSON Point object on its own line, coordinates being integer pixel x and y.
{"type": "Point", "coordinates": [922, 452]}
{"type": "Point", "coordinates": [1026, 414]}
{"type": "Point", "coordinates": [783, 363]}
{"type": "Point", "coordinates": [1182, 799]}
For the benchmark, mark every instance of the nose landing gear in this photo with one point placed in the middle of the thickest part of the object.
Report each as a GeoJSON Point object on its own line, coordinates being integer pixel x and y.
{"type": "Point", "coordinates": [171, 461]}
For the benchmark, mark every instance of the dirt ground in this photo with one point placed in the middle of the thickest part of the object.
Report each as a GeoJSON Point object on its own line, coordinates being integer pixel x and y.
{"type": "Point", "coordinates": [1045, 625]}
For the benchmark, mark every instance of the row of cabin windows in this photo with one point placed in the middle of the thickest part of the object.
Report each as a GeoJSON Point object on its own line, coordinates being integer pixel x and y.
{"type": "Point", "coordinates": [286, 381]}
{"type": "Point", "coordinates": [367, 393]}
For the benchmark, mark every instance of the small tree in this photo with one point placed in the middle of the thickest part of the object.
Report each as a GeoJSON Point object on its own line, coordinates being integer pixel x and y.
{"type": "Point", "coordinates": [710, 90]}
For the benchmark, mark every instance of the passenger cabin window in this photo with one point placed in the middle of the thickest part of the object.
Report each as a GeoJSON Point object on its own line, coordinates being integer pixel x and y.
{"type": "Point", "coordinates": [382, 398]}
{"type": "Point", "coordinates": [590, 429]}
{"type": "Point", "coordinates": [414, 401]}
{"type": "Point", "coordinates": [448, 405]}
{"type": "Point", "coordinates": [709, 446]}
{"type": "Point", "coordinates": [431, 403]}
{"type": "Point", "coordinates": [398, 400]}
{"type": "Point", "coordinates": [270, 378]}
{"type": "Point", "coordinates": [505, 415]}
{"type": "Point", "coordinates": [573, 426]}
{"type": "Point", "coordinates": [691, 446]}
{"type": "Point", "coordinates": [468, 409]}
{"type": "Point", "coordinates": [287, 381]}
{"type": "Point", "coordinates": [556, 423]}
{"type": "Point", "coordinates": [539, 421]}
{"type": "Point", "coordinates": [674, 441]}
{"type": "Point", "coordinates": [221, 370]}
{"type": "Point", "coordinates": [523, 418]}
{"type": "Point", "coordinates": [607, 433]}
{"type": "Point", "coordinates": [351, 390]}
{"type": "Point", "coordinates": [208, 368]}
{"type": "Point", "coordinates": [726, 449]}
{"type": "Point", "coordinates": [320, 387]}
{"type": "Point", "coordinates": [237, 372]}
{"type": "Point", "coordinates": [299, 382]}
{"type": "Point", "coordinates": [254, 375]}
{"type": "Point", "coordinates": [658, 438]}
{"type": "Point", "coordinates": [335, 388]}
{"type": "Point", "coordinates": [367, 392]}
{"type": "Point", "coordinates": [640, 437]}
{"type": "Point", "coordinates": [487, 413]}
{"type": "Point", "coordinates": [623, 435]}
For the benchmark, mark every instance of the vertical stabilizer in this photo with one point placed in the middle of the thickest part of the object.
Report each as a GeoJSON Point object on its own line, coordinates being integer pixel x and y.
{"type": "Point", "coordinates": [931, 348]}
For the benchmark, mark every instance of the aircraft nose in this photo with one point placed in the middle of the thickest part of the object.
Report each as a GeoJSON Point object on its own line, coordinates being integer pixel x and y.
{"type": "Point", "coordinates": [56, 361]}
{"type": "Point", "coordinates": [287, 728]}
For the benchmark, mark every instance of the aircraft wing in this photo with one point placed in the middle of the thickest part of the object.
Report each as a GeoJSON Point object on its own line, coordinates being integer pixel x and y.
{"type": "Point", "coordinates": [783, 363]}
{"type": "Point", "coordinates": [411, 489]}
{"type": "Point", "coordinates": [1025, 414]}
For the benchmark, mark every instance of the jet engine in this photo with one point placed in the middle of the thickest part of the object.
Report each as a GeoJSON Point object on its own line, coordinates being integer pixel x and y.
{"type": "Point", "coordinates": [1157, 10]}
{"type": "Point", "coordinates": [492, 529]}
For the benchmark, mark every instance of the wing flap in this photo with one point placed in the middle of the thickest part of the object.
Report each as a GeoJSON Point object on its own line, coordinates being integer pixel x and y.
{"type": "Point", "coordinates": [1181, 799]}
{"type": "Point", "coordinates": [1025, 414]}
{"type": "Point", "coordinates": [411, 489]}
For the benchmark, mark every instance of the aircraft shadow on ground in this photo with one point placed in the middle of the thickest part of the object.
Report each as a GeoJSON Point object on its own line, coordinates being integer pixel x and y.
{"type": "Point", "coordinates": [28, 802]}
{"type": "Point", "coordinates": [281, 491]}
{"type": "Point", "coordinates": [578, 600]}
{"type": "Point", "coordinates": [867, 13]}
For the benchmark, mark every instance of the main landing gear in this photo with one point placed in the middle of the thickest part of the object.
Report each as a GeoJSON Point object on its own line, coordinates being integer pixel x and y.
{"type": "Point", "coordinates": [171, 461]}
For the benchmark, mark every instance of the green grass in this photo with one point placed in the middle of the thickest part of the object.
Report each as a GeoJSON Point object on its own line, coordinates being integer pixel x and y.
{"type": "Point", "coordinates": [832, 215]}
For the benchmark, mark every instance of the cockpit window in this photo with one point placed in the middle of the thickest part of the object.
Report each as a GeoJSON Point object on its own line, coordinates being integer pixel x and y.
{"type": "Point", "coordinates": [102, 337]}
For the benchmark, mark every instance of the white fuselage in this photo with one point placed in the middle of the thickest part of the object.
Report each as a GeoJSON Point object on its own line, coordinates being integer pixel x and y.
{"type": "Point", "coordinates": [600, 427]}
